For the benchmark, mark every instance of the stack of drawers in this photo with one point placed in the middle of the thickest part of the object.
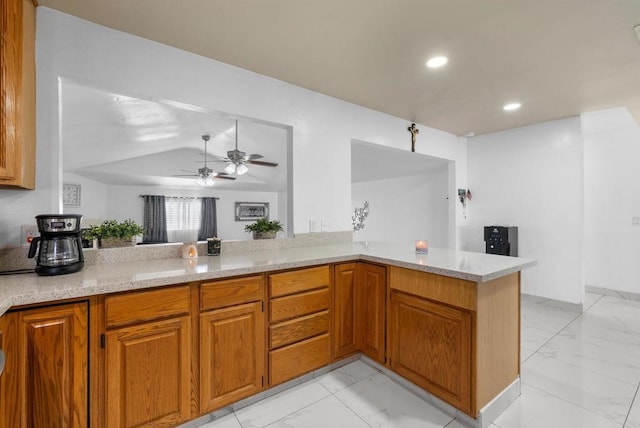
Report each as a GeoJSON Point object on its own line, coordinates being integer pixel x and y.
{"type": "Point", "coordinates": [299, 322]}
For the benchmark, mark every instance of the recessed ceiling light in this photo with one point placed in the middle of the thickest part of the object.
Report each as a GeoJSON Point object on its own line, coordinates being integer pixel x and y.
{"type": "Point", "coordinates": [511, 106]}
{"type": "Point", "coordinates": [437, 61]}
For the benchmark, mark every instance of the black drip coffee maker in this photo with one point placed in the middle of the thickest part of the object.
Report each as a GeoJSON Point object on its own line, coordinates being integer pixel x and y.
{"type": "Point", "coordinates": [60, 240]}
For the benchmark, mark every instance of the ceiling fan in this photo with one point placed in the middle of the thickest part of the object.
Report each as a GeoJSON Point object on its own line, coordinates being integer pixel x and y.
{"type": "Point", "coordinates": [205, 175]}
{"type": "Point", "coordinates": [238, 160]}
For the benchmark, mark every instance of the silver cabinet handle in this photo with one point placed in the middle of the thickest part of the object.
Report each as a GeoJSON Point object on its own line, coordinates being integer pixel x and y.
{"type": "Point", "coordinates": [1, 361]}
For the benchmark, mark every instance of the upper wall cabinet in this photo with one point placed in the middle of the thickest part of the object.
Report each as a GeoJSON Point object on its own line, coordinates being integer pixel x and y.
{"type": "Point", "coordinates": [17, 86]}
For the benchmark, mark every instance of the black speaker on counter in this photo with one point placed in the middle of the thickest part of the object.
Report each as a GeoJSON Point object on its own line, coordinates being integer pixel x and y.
{"type": "Point", "coordinates": [501, 240]}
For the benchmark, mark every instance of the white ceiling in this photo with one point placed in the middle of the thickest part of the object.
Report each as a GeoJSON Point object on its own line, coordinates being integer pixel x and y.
{"type": "Point", "coordinates": [559, 58]}
{"type": "Point", "coordinates": [115, 139]}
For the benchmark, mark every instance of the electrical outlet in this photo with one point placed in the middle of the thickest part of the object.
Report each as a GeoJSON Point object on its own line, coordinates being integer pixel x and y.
{"type": "Point", "coordinates": [313, 226]}
{"type": "Point", "coordinates": [635, 221]}
{"type": "Point", "coordinates": [324, 226]}
{"type": "Point", "coordinates": [28, 232]}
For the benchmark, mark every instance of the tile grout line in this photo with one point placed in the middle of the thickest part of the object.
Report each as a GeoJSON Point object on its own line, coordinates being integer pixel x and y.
{"type": "Point", "coordinates": [630, 407]}
{"type": "Point", "coordinates": [561, 329]}
{"type": "Point", "coordinates": [575, 405]}
{"type": "Point", "coordinates": [300, 408]}
{"type": "Point", "coordinates": [350, 386]}
{"type": "Point", "coordinates": [331, 394]}
{"type": "Point", "coordinates": [347, 387]}
{"type": "Point", "coordinates": [347, 406]}
{"type": "Point", "coordinates": [563, 399]}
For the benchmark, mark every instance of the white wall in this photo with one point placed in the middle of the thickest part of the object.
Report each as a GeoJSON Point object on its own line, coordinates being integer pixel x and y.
{"type": "Point", "coordinates": [323, 127]}
{"type": "Point", "coordinates": [532, 177]}
{"type": "Point", "coordinates": [405, 209]}
{"type": "Point", "coordinates": [93, 197]}
{"type": "Point", "coordinates": [612, 198]}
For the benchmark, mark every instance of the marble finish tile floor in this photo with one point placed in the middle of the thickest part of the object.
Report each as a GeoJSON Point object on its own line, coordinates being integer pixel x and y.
{"type": "Point", "coordinates": [579, 370]}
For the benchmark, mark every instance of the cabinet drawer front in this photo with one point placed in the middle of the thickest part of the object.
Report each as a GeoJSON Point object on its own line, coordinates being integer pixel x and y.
{"type": "Point", "coordinates": [297, 359]}
{"type": "Point", "coordinates": [444, 289]}
{"type": "Point", "coordinates": [229, 292]}
{"type": "Point", "coordinates": [281, 284]}
{"type": "Point", "coordinates": [298, 329]}
{"type": "Point", "coordinates": [284, 308]}
{"type": "Point", "coordinates": [143, 306]}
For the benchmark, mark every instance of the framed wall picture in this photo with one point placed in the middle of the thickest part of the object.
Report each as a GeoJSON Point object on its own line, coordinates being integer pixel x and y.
{"type": "Point", "coordinates": [71, 194]}
{"type": "Point", "coordinates": [250, 211]}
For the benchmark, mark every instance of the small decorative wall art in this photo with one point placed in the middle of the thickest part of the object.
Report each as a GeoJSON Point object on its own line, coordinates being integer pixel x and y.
{"type": "Point", "coordinates": [71, 194]}
{"type": "Point", "coordinates": [250, 211]}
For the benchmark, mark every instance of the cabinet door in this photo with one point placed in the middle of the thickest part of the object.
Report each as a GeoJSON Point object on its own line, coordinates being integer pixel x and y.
{"type": "Point", "coordinates": [17, 93]}
{"type": "Point", "coordinates": [45, 382]}
{"type": "Point", "coordinates": [371, 296]}
{"type": "Point", "coordinates": [232, 352]}
{"type": "Point", "coordinates": [148, 369]}
{"type": "Point", "coordinates": [10, 81]}
{"type": "Point", "coordinates": [345, 322]}
{"type": "Point", "coordinates": [430, 345]}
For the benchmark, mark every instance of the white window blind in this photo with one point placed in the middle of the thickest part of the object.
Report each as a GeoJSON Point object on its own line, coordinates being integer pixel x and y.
{"type": "Point", "coordinates": [183, 219]}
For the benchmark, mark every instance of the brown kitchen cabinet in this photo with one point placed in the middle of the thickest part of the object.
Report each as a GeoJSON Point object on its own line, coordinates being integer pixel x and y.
{"type": "Point", "coordinates": [148, 358]}
{"type": "Point", "coordinates": [372, 308]}
{"type": "Point", "coordinates": [345, 312]}
{"type": "Point", "coordinates": [456, 338]}
{"type": "Point", "coordinates": [299, 322]}
{"type": "Point", "coordinates": [232, 341]}
{"type": "Point", "coordinates": [360, 310]}
{"type": "Point", "coordinates": [46, 378]}
{"type": "Point", "coordinates": [430, 344]}
{"type": "Point", "coordinates": [17, 89]}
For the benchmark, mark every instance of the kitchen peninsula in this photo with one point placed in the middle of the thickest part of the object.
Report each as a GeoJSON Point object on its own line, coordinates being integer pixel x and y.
{"type": "Point", "coordinates": [196, 335]}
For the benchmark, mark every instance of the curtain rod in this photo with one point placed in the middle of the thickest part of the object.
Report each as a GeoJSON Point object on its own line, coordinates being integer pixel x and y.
{"type": "Point", "coordinates": [181, 197]}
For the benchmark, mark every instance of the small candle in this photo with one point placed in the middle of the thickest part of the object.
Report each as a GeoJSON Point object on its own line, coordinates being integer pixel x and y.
{"type": "Point", "coordinates": [189, 250]}
{"type": "Point", "coordinates": [422, 246]}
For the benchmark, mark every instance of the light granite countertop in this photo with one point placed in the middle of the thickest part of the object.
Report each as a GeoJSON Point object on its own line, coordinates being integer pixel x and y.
{"type": "Point", "coordinates": [97, 279]}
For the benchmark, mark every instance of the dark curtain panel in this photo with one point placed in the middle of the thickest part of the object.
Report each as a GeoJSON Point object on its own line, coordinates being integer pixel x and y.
{"type": "Point", "coordinates": [155, 219]}
{"type": "Point", "coordinates": [208, 220]}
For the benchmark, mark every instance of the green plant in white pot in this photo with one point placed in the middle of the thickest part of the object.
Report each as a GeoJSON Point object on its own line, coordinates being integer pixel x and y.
{"type": "Point", "coordinates": [264, 229]}
{"type": "Point", "coordinates": [111, 233]}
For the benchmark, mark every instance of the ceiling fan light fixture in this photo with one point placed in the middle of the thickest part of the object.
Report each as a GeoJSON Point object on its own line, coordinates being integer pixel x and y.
{"type": "Point", "coordinates": [230, 169]}
{"type": "Point", "coordinates": [241, 169]}
{"type": "Point", "coordinates": [205, 181]}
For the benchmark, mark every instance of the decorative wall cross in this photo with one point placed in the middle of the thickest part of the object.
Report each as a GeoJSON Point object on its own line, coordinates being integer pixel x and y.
{"type": "Point", "coordinates": [414, 131]}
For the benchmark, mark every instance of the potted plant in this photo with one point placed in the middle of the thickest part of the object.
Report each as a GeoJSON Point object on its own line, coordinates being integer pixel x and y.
{"type": "Point", "coordinates": [264, 229]}
{"type": "Point", "coordinates": [111, 233]}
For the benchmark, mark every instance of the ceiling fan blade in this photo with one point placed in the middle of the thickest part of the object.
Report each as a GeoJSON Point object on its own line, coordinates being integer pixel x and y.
{"type": "Point", "coordinates": [253, 156]}
{"type": "Point", "coordinates": [214, 157]}
{"type": "Point", "coordinates": [225, 177]}
{"type": "Point", "coordinates": [215, 160]}
{"type": "Point", "coordinates": [185, 175]}
{"type": "Point", "coordinates": [262, 163]}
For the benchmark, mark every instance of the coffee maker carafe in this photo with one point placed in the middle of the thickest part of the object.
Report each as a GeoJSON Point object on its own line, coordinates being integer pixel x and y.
{"type": "Point", "coordinates": [60, 242]}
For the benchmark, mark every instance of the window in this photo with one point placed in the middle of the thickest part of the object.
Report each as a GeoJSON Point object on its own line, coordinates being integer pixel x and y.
{"type": "Point", "coordinates": [183, 219]}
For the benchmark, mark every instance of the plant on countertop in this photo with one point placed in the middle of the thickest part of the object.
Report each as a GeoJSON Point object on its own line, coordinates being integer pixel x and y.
{"type": "Point", "coordinates": [264, 228]}
{"type": "Point", "coordinates": [125, 230]}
